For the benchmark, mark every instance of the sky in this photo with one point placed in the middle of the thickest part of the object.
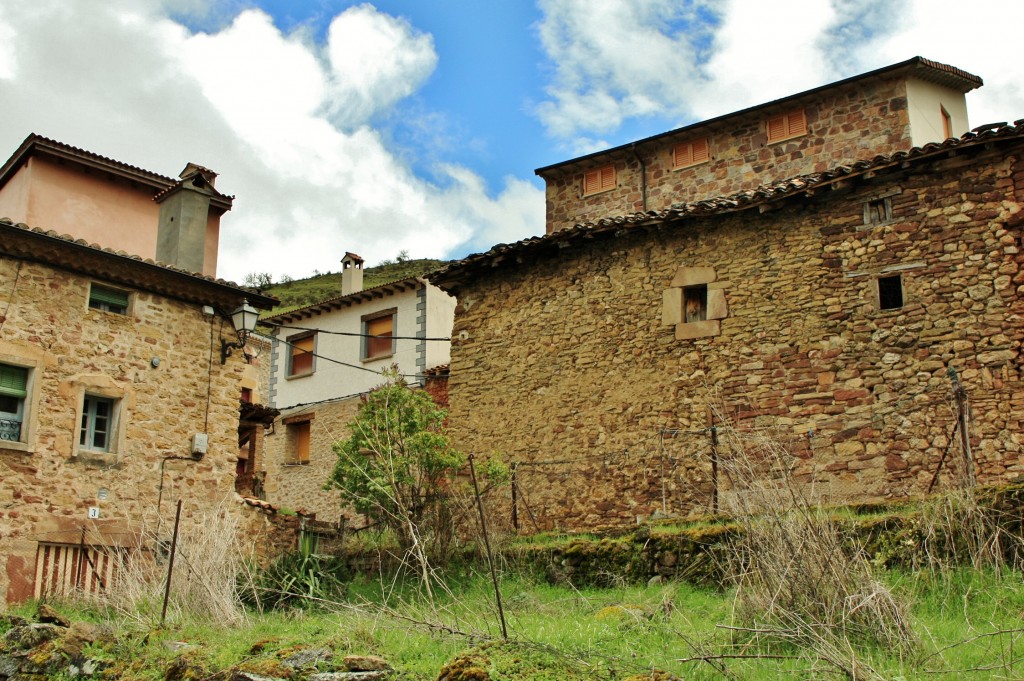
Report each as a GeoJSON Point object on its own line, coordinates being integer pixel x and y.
{"type": "Point", "coordinates": [416, 125]}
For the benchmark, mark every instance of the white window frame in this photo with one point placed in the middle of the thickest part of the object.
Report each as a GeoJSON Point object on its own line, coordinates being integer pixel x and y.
{"type": "Point", "coordinates": [90, 420]}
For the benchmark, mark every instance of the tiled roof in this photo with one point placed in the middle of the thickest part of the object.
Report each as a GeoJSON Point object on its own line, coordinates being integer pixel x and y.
{"type": "Point", "coordinates": [460, 271]}
{"type": "Point", "coordinates": [349, 300]}
{"type": "Point", "coordinates": [925, 69]}
{"type": "Point", "coordinates": [64, 251]}
{"type": "Point", "coordinates": [36, 142]}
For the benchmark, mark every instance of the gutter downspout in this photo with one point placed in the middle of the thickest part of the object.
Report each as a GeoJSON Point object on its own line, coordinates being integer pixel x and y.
{"type": "Point", "coordinates": [643, 177]}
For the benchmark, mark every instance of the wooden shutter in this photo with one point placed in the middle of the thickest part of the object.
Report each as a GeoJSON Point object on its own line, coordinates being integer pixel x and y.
{"type": "Point", "coordinates": [379, 332]}
{"type": "Point", "coordinates": [690, 153]}
{"type": "Point", "coordinates": [302, 355]}
{"type": "Point", "coordinates": [784, 126]}
{"type": "Point", "coordinates": [599, 180]}
{"type": "Point", "coordinates": [302, 442]}
{"type": "Point", "coordinates": [13, 381]}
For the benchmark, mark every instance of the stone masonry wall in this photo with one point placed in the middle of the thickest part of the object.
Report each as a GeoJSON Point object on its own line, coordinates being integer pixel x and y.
{"type": "Point", "coordinates": [860, 120]}
{"type": "Point", "coordinates": [298, 486]}
{"type": "Point", "coordinates": [565, 366]}
{"type": "Point", "coordinates": [45, 490]}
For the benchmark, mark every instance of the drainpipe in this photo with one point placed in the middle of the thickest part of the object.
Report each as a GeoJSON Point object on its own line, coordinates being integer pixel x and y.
{"type": "Point", "coordinates": [643, 177]}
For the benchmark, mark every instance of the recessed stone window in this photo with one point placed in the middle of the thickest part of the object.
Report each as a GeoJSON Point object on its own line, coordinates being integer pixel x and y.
{"type": "Point", "coordinates": [695, 303]}
{"type": "Point", "coordinates": [877, 211]}
{"type": "Point", "coordinates": [298, 437]}
{"type": "Point", "coordinates": [890, 292]}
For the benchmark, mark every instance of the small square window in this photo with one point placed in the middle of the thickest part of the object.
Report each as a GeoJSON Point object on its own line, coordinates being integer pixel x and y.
{"type": "Point", "coordinates": [97, 431]}
{"type": "Point", "coordinates": [890, 292]}
{"type": "Point", "coordinates": [786, 126]}
{"type": "Point", "coordinates": [690, 153]}
{"type": "Point", "coordinates": [599, 180]}
{"type": "Point", "coordinates": [877, 211]}
{"type": "Point", "coordinates": [379, 331]}
{"type": "Point", "coordinates": [695, 303]}
{"type": "Point", "coordinates": [13, 392]}
{"type": "Point", "coordinates": [302, 354]}
{"type": "Point", "coordinates": [108, 299]}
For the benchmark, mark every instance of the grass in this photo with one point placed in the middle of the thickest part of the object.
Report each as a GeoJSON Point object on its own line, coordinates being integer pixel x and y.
{"type": "Point", "coordinates": [302, 292]}
{"type": "Point", "coordinates": [567, 633]}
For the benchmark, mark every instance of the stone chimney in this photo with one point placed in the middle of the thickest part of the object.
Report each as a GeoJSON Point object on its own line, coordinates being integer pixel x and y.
{"type": "Point", "coordinates": [351, 274]}
{"type": "Point", "coordinates": [184, 213]}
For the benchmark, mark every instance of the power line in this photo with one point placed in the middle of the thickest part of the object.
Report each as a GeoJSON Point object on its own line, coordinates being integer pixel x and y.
{"type": "Point", "coordinates": [379, 372]}
{"type": "Point", "coordinates": [357, 335]}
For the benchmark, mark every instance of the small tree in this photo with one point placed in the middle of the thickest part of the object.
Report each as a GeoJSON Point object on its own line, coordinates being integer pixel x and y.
{"type": "Point", "coordinates": [397, 465]}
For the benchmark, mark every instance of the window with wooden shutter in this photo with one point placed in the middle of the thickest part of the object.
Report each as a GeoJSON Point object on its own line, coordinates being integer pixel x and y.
{"type": "Point", "coordinates": [300, 433]}
{"type": "Point", "coordinates": [690, 153]}
{"type": "Point", "coordinates": [302, 355]}
{"type": "Point", "coordinates": [13, 391]}
{"type": "Point", "coordinates": [786, 126]}
{"type": "Point", "coordinates": [379, 332]}
{"type": "Point", "coordinates": [599, 180]}
{"type": "Point", "coordinates": [108, 299]}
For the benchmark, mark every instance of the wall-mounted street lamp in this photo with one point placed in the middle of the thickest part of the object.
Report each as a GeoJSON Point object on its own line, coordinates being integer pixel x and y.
{"type": "Point", "coordinates": [244, 320]}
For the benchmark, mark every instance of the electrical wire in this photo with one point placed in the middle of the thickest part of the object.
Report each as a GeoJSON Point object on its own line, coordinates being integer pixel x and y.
{"type": "Point", "coordinates": [379, 372]}
{"type": "Point", "coordinates": [444, 339]}
{"type": "Point", "coordinates": [14, 288]}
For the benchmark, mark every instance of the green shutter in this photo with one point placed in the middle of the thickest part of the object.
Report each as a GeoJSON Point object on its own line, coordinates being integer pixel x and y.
{"type": "Point", "coordinates": [108, 296]}
{"type": "Point", "coordinates": [13, 381]}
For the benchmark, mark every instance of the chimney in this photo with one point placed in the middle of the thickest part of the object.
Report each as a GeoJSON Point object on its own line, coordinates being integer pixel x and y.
{"type": "Point", "coordinates": [351, 274]}
{"type": "Point", "coordinates": [184, 211]}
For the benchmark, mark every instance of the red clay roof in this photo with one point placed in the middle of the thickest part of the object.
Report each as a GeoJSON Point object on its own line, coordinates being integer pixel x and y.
{"type": "Point", "coordinates": [349, 300]}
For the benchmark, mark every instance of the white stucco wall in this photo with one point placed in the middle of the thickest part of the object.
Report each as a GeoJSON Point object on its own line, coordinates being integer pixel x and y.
{"type": "Point", "coordinates": [331, 380]}
{"type": "Point", "coordinates": [925, 102]}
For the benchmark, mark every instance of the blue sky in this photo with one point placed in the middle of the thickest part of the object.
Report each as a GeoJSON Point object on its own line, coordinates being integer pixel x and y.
{"type": "Point", "coordinates": [416, 125]}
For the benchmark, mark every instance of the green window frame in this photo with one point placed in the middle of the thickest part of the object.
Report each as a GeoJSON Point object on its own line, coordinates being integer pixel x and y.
{"type": "Point", "coordinates": [108, 299]}
{"type": "Point", "coordinates": [13, 391]}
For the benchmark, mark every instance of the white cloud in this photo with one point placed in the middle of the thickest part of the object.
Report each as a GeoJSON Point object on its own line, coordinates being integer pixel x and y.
{"type": "Point", "coordinates": [284, 121]}
{"type": "Point", "coordinates": [617, 61]}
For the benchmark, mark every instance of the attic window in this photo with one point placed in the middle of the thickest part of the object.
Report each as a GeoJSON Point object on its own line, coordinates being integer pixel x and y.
{"type": "Point", "coordinates": [890, 292]}
{"type": "Point", "coordinates": [599, 180]}
{"type": "Point", "coordinates": [690, 153]}
{"type": "Point", "coordinates": [786, 126]}
{"type": "Point", "coordinates": [877, 211]}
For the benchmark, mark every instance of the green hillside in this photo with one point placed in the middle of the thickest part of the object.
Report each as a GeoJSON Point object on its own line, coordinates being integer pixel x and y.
{"type": "Point", "coordinates": [301, 292]}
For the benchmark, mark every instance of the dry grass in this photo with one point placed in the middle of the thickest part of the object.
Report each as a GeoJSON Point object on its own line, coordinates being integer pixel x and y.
{"type": "Point", "coordinates": [800, 584]}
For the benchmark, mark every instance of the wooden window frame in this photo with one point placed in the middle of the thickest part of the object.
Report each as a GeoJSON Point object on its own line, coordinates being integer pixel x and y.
{"type": "Point", "coordinates": [368, 351]}
{"type": "Point", "coordinates": [786, 126]}
{"type": "Point", "coordinates": [888, 293]}
{"type": "Point", "coordinates": [299, 429]}
{"type": "Point", "coordinates": [691, 153]}
{"type": "Point", "coordinates": [109, 299]}
{"type": "Point", "coordinates": [600, 180]}
{"type": "Point", "coordinates": [878, 211]}
{"type": "Point", "coordinates": [292, 343]}
{"type": "Point", "coordinates": [947, 123]}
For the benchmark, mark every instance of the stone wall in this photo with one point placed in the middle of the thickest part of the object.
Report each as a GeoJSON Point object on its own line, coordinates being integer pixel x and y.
{"type": "Point", "coordinates": [299, 486]}
{"type": "Point", "coordinates": [569, 367]}
{"type": "Point", "coordinates": [856, 121]}
{"type": "Point", "coordinates": [161, 362]}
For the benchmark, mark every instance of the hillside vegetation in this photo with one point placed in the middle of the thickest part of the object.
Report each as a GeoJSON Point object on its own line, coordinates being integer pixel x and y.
{"type": "Point", "coordinates": [298, 293]}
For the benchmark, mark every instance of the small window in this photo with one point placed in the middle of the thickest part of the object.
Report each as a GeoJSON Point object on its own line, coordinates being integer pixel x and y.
{"type": "Point", "coordinates": [890, 292]}
{"type": "Point", "coordinates": [786, 126]}
{"type": "Point", "coordinates": [690, 153]}
{"type": "Point", "coordinates": [13, 391]}
{"type": "Point", "coordinates": [379, 336]}
{"type": "Point", "coordinates": [947, 123]}
{"type": "Point", "coordinates": [599, 180]}
{"type": "Point", "coordinates": [108, 299]}
{"type": "Point", "coordinates": [695, 304]}
{"type": "Point", "coordinates": [302, 354]}
{"type": "Point", "coordinates": [877, 212]}
{"type": "Point", "coordinates": [97, 431]}
{"type": "Point", "coordinates": [246, 396]}
{"type": "Point", "coordinates": [298, 435]}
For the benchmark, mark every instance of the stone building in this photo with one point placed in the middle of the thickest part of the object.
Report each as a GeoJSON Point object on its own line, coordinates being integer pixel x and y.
{"type": "Point", "coordinates": [891, 109]}
{"type": "Point", "coordinates": [116, 401]}
{"type": "Point", "coordinates": [327, 355]}
{"type": "Point", "coordinates": [837, 312]}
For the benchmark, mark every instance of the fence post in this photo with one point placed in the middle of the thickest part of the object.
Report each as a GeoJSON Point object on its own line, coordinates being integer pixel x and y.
{"type": "Point", "coordinates": [515, 498]}
{"type": "Point", "coordinates": [962, 418]}
{"type": "Point", "coordinates": [170, 563]}
{"type": "Point", "coordinates": [487, 544]}
{"type": "Point", "coordinates": [714, 461]}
